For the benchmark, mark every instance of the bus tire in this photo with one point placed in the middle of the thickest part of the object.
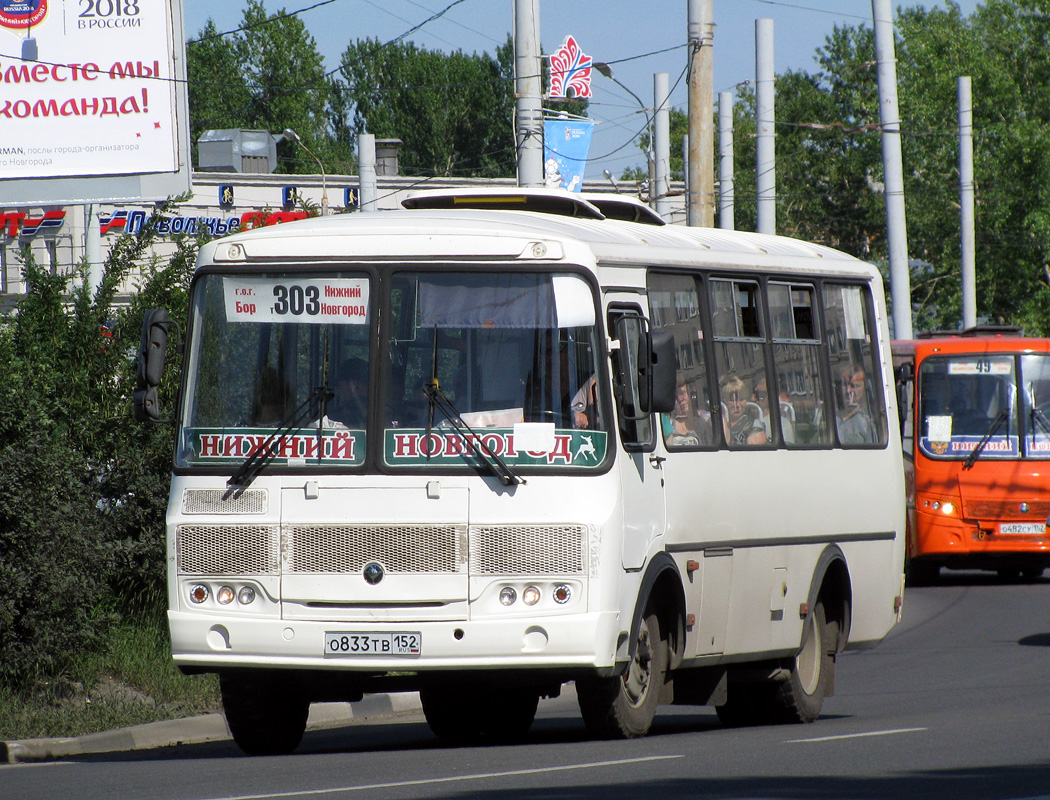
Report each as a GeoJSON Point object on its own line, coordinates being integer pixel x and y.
{"type": "Point", "coordinates": [266, 713]}
{"type": "Point", "coordinates": [800, 697]}
{"type": "Point", "coordinates": [466, 715]}
{"type": "Point", "coordinates": [623, 707]}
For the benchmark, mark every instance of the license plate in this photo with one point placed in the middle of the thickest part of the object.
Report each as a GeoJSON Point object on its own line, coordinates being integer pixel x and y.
{"type": "Point", "coordinates": [1023, 527]}
{"type": "Point", "coordinates": [379, 643]}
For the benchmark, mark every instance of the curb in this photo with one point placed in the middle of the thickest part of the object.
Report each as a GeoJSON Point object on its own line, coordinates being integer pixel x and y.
{"type": "Point", "coordinates": [197, 730]}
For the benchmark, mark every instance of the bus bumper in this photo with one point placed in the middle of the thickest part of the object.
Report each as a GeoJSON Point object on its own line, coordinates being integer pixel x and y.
{"type": "Point", "coordinates": [582, 641]}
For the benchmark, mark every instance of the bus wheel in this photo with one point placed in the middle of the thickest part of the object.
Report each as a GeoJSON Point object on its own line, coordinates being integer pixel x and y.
{"type": "Point", "coordinates": [799, 698]}
{"type": "Point", "coordinates": [266, 712]}
{"type": "Point", "coordinates": [624, 707]}
{"type": "Point", "coordinates": [466, 715]}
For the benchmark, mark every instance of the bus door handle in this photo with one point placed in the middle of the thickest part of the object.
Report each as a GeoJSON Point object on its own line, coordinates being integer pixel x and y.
{"type": "Point", "coordinates": [657, 461]}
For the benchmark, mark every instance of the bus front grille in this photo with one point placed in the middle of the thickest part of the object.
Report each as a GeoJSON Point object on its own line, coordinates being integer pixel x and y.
{"type": "Point", "coordinates": [528, 550]}
{"type": "Point", "coordinates": [1036, 510]}
{"type": "Point", "coordinates": [399, 548]}
{"type": "Point", "coordinates": [228, 549]}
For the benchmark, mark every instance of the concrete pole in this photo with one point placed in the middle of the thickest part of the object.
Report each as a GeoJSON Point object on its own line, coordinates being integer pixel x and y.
{"type": "Point", "coordinates": [765, 144]}
{"type": "Point", "coordinates": [662, 144]}
{"type": "Point", "coordinates": [700, 200]}
{"type": "Point", "coordinates": [893, 169]}
{"type": "Point", "coordinates": [726, 189]}
{"type": "Point", "coordinates": [93, 246]}
{"type": "Point", "coordinates": [366, 160]}
{"type": "Point", "coordinates": [966, 203]}
{"type": "Point", "coordinates": [528, 88]}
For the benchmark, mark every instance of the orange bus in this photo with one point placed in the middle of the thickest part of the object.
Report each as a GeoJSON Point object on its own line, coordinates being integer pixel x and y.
{"type": "Point", "coordinates": [976, 427]}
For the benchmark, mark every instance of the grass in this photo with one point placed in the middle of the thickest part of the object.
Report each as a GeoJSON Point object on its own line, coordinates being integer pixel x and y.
{"type": "Point", "coordinates": [134, 682]}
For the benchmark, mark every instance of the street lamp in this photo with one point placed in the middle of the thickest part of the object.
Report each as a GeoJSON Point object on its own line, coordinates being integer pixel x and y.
{"type": "Point", "coordinates": [292, 136]}
{"type": "Point", "coordinates": [606, 70]}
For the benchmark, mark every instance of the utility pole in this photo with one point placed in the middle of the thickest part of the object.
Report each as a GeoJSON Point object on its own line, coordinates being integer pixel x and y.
{"type": "Point", "coordinates": [662, 144]}
{"type": "Point", "coordinates": [528, 91]}
{"type": "Point", "coordinates": [765, 118]}
{"type": "Point", "coordinates": [726, 186]}
{"type": "Point", "coordinates": [893, 169]}
{"type": "Point", "coordinates": [966, 219]}
{"type": "Point", "coordinates": [700, 180]}
{"type": "Point", "coordinates": [366, 168]}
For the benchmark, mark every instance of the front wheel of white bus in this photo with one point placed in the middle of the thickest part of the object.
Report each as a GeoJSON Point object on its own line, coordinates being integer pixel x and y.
{"type": "Point", "coordinates": [266, 712]}
{"type": "Point", "coordinates": [624, 707]}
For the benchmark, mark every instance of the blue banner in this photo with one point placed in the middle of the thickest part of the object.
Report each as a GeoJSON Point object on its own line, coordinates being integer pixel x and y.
{"type": "Point", "coordinates": [565, 146]}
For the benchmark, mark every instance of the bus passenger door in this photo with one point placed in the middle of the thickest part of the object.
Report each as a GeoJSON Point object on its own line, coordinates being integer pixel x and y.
{"type": "Point", "coordinates": [640, 467]}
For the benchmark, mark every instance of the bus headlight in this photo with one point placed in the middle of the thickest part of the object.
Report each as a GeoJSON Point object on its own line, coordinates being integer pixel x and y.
{"type": "Point", "coordinates": [947, 507]}
{"type": "Point", "coordinates": [225, 595]}
{"type": "Point", "coordinates": [246, 595]}
{"type": "Point", "coordinates": [507, 595]}
{"type": "Point", "coordinates": [531, 596]}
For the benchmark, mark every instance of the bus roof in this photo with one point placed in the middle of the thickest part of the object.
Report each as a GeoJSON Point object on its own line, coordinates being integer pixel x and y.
{"type": "Point", "coordinates": [492, 232]}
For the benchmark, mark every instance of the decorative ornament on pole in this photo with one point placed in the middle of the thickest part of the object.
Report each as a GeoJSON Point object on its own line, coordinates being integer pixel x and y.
{"type": "Point", "coordinates": [570, 73]}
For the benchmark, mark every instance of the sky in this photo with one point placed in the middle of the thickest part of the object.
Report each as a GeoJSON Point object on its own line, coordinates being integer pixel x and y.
{"type": "Point", "coordinates": [638, 38]}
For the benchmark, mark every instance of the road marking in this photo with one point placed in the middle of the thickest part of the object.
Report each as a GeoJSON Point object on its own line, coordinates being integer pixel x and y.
{"type": "Point", "coordinates": [453, 779]}
{"type": "Point", "coordinates": [856, 735]}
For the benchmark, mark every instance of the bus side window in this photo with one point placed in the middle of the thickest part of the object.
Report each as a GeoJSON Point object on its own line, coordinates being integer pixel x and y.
{"type": "Point", "coordinates": [860, 409]}
{"type": "Point", "coordinates": [674, 306]}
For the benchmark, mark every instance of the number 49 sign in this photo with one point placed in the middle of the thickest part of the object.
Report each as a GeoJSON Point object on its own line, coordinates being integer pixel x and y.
{"type": "Point", "coordinates": [320, 301]}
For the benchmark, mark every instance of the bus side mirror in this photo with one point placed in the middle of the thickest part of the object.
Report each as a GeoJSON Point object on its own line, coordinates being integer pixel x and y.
{"type": "Point", "coordinates": [663, 372]}
{"type": "Point", "coordinates": [152, 348]}
{"type": "Point", "coordinates": [903, 374]}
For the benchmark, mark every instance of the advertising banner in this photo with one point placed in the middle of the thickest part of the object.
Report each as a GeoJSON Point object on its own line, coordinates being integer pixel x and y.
{"type": "Point", "coordinates": [86, 88]}
{"type": "Point", "coordinates": [566, 143]}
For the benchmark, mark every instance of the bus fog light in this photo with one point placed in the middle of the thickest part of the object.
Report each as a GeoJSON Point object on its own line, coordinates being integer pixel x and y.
{"type": "Point", "coordinates": [562, 594]}
{"type": "Point", "coordinates": [246, 595]}
{"type": "Point", "coordinates": [199, 593]}
{"type": "Point", "coordinates": [948, 507]}
{"type": "Point", "coordinates": [531, 596]}
{"type": "Point", "coordinates": [507, 595]}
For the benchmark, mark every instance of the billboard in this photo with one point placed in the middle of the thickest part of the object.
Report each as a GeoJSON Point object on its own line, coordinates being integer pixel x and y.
{"type": "Point", "coordinates": [566, 143]}
{"type": "Point", "coordinates": [92, 101]}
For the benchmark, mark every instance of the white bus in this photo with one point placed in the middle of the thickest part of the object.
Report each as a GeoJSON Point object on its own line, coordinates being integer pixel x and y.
{"type": "Point", "coordinates": [498, 441]}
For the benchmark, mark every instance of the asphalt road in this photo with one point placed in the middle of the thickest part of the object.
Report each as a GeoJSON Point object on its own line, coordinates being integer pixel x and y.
{"type": "Point", "coordinates": [954, 704]}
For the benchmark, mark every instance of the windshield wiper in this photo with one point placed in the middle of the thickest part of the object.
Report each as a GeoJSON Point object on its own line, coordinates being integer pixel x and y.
{"type": "Point", "coordinates": [1000, 418]}
{"type": "Point", "coordinates": [1040, 418]}
{"type": "Point", "coordinates": [269, 449]}
{"type": "Point", "coordinates": [496, 465]}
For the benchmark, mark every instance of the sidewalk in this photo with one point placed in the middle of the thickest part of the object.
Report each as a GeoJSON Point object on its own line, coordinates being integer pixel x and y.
{"type": "Point", "coordinates": [197, 730]}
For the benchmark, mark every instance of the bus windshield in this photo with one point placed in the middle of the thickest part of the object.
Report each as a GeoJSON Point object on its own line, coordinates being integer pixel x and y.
{"type": "Point", "coordinates": [284, 363]}
{"type": "Point", "coordinates": [965, 400]}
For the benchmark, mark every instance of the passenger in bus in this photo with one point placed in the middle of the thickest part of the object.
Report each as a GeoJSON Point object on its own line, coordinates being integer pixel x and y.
{"type": "Point", "coordinates": [787, 418]}
{"type": "Point", "coordinates": [688, 426]}
{"type": "Point", "coordinates": [741, 414]}
{"type": "Point", "coordinates": [272, 399]}
{"type": "Point", "coordinates": [349, 407]}
{"type": "Point", "coordinates": [584, 404]}
{"type": "Point", "coordinates": [853, 421]}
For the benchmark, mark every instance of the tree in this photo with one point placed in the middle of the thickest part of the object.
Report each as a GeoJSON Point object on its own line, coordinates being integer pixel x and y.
{"type": "Point", "coordinates": [268, 76]}
{"type": "Point", "coordinates": [452, 112]}
{"type": "Point", "coordinates": [829, 167]}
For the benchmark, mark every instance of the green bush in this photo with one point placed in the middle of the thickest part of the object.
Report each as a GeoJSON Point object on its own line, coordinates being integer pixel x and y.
{"type": "Point", "coordinates": [85, 486]}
